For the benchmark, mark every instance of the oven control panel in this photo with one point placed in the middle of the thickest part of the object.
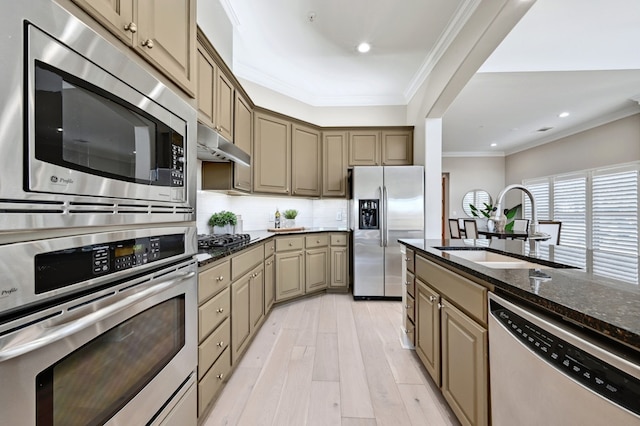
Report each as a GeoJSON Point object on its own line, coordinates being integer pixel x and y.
{"type": "Point", "coordinates": [63, 268]}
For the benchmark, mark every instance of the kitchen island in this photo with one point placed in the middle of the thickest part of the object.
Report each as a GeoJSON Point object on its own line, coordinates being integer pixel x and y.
{"type": "Point", "coordinates": [607, 306]}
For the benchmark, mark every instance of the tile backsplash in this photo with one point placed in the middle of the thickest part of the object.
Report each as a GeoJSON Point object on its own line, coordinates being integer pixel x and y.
{"type": "Point", "coordinates": [258, 212]}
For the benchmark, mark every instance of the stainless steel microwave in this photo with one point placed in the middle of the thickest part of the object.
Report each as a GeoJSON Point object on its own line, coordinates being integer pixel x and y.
{"type": "Point", "coordinates": [88, 136]}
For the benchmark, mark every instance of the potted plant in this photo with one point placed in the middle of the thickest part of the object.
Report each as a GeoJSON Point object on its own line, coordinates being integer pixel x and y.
{"type": "Point", "coordinates": [290, 218]}
{"type": "Point", "coordinates": [223, 222]}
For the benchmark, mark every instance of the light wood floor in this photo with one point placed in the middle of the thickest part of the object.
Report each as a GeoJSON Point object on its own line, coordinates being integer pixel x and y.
{"type": "Point", "coordinates": [329, 360]}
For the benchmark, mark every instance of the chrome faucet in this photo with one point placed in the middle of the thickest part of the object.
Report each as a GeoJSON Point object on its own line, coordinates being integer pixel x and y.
{"type": "Point", "coordinates": [500, 219]}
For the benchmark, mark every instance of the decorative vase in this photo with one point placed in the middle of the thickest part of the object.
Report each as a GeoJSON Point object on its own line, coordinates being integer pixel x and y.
{"type": "Point", "coordinates": [490, 225]}
{"type": "Point", "coordinates": [289, 223]}
{"type": "Point", "coordinates": [227, 229]}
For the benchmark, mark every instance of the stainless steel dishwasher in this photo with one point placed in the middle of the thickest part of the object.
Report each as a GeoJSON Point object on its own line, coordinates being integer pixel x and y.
{"type": "Point", "coordinates": [544, 374]}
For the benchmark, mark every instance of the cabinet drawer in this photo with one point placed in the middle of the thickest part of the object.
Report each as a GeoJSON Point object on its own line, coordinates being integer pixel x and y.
{"type": "Point", "coordinates": [339, 239]}
{"type": "Point", "coordinates": [318, 240]}
{"type": "Point", "coordinates": [292, 243]}
{"type": "Point", "coordinates": [464, 293]}
{"type": "Point", "coordinates": [269, 248]}
{"type": "Point", "coordinates": [246, 261]}
{"type": "Point", "coordinates": [411, 308]}
{"type": "Point", "coordinates": [211, 383]}
{"type": "Point", "coordinates": [213, 346]}
{"type": "Point", "coordinates": [212, 313]}
{"type": "Point", "coordinates": [212, 280]}
{"type": "Point", "coordinates": [410, 260]}
{"type": "Point", "coordinates": [410, 284]}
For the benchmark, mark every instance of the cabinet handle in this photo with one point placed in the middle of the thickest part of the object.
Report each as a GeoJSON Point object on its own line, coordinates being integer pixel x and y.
{"type": "Point", "coordinates": [406, 283]}
{"type": "Point", "coordinates": [131, 27]}
{"type": "Point", "coordinates": [432, 298]}
{"type": "Point", "coordinates": [408, 259]}
{"type": "Point", "coordinates": [220, 376]}
{"type": "Point", "coordinates": [220, 278]}
{"type": "Point", "coordinates": [220, 344]}
{"type": "Point", "coordinates": [439, 305]}
{"type": "Point", "coordinates": [219, 310]}
{"type": "Point", "coordinates": [148, 43]}
{"type": "Point", "coordinates": [408, 307]}
{"type": "Point", "coordinates": [269, 263]}
{"type": "Point", "coordinates": [290, 245]}
{"type": "Point", "coordinates": [317, 241]}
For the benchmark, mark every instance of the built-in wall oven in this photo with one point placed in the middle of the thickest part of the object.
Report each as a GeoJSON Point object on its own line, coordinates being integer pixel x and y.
{"type": "Point", "coordinates": [101, 329]}
{"type": "Point", "coordinates": [89, 137]}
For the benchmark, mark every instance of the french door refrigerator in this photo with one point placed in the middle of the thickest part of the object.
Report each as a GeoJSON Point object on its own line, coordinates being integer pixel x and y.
{"type": "Point", "coordinates": [387, 204]}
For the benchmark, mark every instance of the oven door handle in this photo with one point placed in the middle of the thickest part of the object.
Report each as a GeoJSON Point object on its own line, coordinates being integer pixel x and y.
{"type": "Point", "coordinates": [51, 334]}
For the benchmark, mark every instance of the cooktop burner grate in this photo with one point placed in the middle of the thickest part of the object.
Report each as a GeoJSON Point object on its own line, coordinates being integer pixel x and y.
{"type": "Point", "coordinates": [222, 240]}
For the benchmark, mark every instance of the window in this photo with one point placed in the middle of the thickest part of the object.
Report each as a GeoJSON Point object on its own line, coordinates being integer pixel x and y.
{"type": "Point", "coordinates": [599, 211]}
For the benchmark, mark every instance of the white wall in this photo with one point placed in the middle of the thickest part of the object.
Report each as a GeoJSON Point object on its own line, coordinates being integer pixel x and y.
{"type": "Point", "coordinates": [467, 173]}
{"type": "Point", "coordinates": [258, 212]}
{"type": "Point", "coordinates": [215, 23]}
{"type": "Point", "coordinates": [617, 142]}
{"type": "Point", "coordinates": [325, 116]}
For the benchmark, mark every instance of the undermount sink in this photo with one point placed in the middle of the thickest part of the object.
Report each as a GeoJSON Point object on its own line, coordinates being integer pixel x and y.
{"type": "Point", "coordinates": [495, 260]}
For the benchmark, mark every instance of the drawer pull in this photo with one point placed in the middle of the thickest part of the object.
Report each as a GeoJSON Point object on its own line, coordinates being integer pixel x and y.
{"type": "Point", "coordinates": [317, 241]}
{"type": "Point", "coordinates": [290, 245]}
{"type": "Point", "coordinates": [219, 310]}
{"type": "Point", "coordinates": [220, 344]}
{"type": "Point", "coordinates": [220, 278]}
{"type": "Point", "coordinates": [220, 376]}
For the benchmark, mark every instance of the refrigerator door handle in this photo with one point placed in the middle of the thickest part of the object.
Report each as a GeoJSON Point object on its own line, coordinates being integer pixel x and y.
{"type": "Point", "coordinates": [384, 215]}
{"type": "Point", "coordinates": [381, 219]}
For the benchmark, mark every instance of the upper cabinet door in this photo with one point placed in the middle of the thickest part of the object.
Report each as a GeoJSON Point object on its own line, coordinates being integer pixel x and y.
{"type": "Point", "coordinates": [397, 147]}
{"type": "Point", "coordinates": [115, 15]}
{"type": "Point", "coordinates": [334, 164]}
{"type": "Point", "coordinates": [271, 154]}
{"type": "Point", "coordinates": [224, 106]}
{"type": "Point", "coordinates": [306, 155]}
{"type": "Point", "coordinates": [364, 148]}
{"type": "Point", "coordinates": [243, 126]}
{"type": "Point", "coordinates": [166, 36]}
{"type": "Point", "coordinates": [207, 71]}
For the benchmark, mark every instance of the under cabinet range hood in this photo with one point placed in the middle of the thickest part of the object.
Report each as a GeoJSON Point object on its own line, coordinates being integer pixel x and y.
{"type": "Point", "coordinates": [212, 146]}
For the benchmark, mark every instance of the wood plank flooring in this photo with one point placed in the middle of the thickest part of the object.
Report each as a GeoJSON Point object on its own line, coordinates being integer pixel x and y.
{"type": "Point", "coordinates": [330, 360]}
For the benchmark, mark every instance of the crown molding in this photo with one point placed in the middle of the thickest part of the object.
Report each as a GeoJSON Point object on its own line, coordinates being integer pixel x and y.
{"type": "Point", "coordinates": [460, 154]}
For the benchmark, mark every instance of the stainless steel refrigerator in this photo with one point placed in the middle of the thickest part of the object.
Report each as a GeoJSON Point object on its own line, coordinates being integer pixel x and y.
{"type": "Point", "coordinates": [387, 204]}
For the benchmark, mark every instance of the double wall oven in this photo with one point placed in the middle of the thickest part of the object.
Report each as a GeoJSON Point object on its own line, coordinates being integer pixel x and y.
{"type": "Point", "coordinates": [98, 302]}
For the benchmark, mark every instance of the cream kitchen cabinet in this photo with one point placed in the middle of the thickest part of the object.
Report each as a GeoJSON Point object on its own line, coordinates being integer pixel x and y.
{"type": "Point", "coordinates": [163, 32]}
{"type": "Point", "coordinates": [269, 283]}
{"type": "Point", "coordinates": [290, 274]}
{"type": "Point", "coordinates": [243, 139]}
{"type": "Point", "coordinates": [271, 154]}
{"type": "Point", "coordinates": [215, 93]}
{"type": "Point", "coordinates": [316, 262]}
{"type": "Point", "coordinates": [451, 338]}
{"type": "Point", "coordinates": [339, 261]}
{"type": "Point", "coordinates": [381, 147]}
{"type": "Point", "coordinates": [335, 162]}
{"type": "Point", "coordinates": [306, 152]}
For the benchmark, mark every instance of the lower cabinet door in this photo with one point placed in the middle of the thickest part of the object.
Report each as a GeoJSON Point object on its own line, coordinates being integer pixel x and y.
{"type": "Point", "coordinates": [339, 268]}
{"type": "Point", "coordinates": [427, 320]}
{"type": "Point", "coordinates": [316, 269]}
{"type": "Point", "coordinates": [464, 366]}
{"type": "Point", "coordinates": [211, 383]}
{"type": "Point", "coordinates": [289, 275]}
{"type": "Point", "coordinates": [240, 316]}
{"type": "Point", "coordinates": [269, 284]}
{"type": "Point", "coordinates": [256, 292]}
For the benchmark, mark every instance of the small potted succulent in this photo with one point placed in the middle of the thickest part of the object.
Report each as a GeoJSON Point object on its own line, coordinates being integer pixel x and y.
{"type": "Point", "coordinates": [223, 222]}
{"type": "Point", "coordinates": [290, 218]}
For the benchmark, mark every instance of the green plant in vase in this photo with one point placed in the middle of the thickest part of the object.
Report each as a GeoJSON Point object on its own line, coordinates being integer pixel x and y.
{"type": "Point", "coordinates": [290, 218]}
{"type": "Point", "coordinates": [222, 222]}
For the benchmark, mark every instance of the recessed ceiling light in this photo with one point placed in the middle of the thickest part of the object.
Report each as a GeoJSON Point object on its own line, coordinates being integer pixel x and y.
{"type": "Point", "coordinates": [364, 47]}
{"type": "Point", "coordinates": [563, 114]}
{"type": "Point", "coordinates": [494, 144]}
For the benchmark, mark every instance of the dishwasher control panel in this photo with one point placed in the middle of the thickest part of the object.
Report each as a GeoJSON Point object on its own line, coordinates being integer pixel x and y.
{"type": "Point", "coordinates": [593, 373]}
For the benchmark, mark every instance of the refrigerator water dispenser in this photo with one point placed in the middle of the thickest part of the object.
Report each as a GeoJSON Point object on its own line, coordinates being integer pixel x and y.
{"type": "Point", "coordinates": [368, 214]}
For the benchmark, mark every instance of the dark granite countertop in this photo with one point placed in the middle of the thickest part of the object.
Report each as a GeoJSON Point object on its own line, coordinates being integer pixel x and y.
{"type": "Point", "coordinates": [608, 306]}
{"type": "Point", "coordinates": [205, 257]}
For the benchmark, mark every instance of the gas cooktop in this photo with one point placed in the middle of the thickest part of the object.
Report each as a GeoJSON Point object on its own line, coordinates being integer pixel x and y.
{"type": "Point", "coordinates": [206, 241]}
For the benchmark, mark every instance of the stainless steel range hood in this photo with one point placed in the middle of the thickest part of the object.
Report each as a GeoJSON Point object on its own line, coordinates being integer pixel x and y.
{"type": "Point", "coordinates": [212, 146]}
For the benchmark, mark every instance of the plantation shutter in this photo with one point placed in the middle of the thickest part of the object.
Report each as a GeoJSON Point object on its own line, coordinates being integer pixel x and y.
{"type": "Point", "coordinates": [570, 208]}
{"type": "Point", "coordinates": [540, 191]}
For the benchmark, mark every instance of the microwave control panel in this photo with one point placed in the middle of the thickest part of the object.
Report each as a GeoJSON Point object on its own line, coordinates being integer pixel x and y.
{"type": "Point", "coordinates": [177, 165]}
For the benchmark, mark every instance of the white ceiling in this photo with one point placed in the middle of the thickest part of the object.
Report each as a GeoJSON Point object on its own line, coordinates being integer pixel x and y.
{"type": "Point", "coordinates": [571, 55]}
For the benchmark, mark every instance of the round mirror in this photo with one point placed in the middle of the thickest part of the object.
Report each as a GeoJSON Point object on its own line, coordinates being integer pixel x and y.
{"type": "Point", "coordinates": [477, 197]}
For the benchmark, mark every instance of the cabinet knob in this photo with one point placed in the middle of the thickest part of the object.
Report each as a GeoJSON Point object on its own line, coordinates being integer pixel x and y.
{"type": "Point", "coordinates": [432, 298]}
{"type": "Point", "coordinates": [290, 245]}
{"type": "Point", "coordinates": [406, 283]}
{"type": "Point", "coordinates": [220, 344]}
{"type": "Point", "coordinates": [439, 305]}
{"type": "Point", "coordinates": [220, 278]}
{"type": "Point", "coordinates": [317, 241]}
{"type": "Point", "coordinates": [220, 376]}
{"type": "Point", "coordinates": [148, 43]}
{"type": "Point", "coordinates": [408, 307]}
{"type": "Point", "coordinates": [219, 310]}
{"type": "Point", "coordinates": [269, 263]}
{"type": "Point", "coordinates": [408, 259]}
{"type": "Point", "coordinates": [131, 27]}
